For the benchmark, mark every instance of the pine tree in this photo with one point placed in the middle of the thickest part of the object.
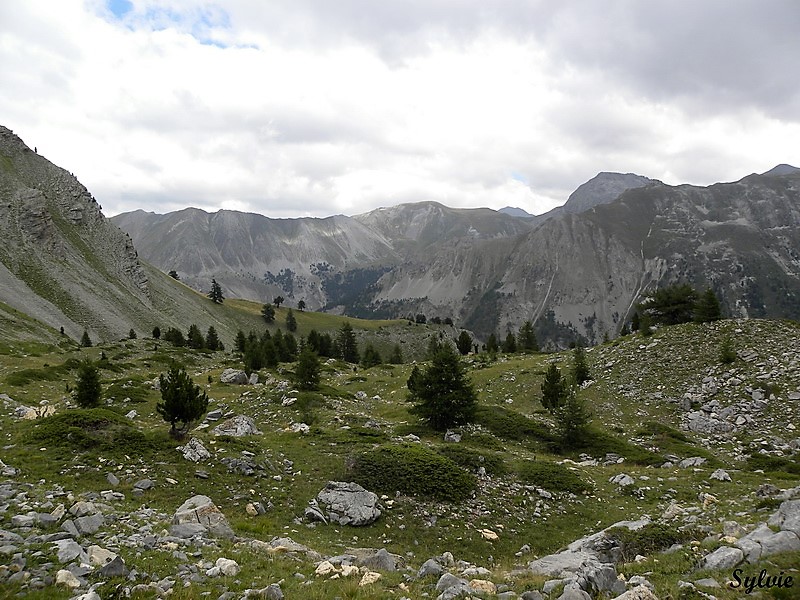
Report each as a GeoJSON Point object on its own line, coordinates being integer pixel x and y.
{"type": "Point", "coordinates": [552, 388]}
{"type": "Point", "coordinates": [580, 370]}
{"type": "Point", "coordinates": [396, 357]}
{"type": "Point", "coordinates": [195, 339]}
{"type": "Point", "coordinates": [371, 357]}
{"type": "Point", "coordinates": [572, 418]}
{"type": "Point", "coordinates": [131, 335]}
{"type": "Point", "coordinates": [216, 292]}
{"type": "Point", "coordinates": [156, 332]}
{"type": "Point", "coordinates": [175, 337]}
{"type": "Point", "coordinates": [306, 374]}
{"type": "Point", "coordinates": [301, 306]}
{"type": "Point", "coordinates": [182, 401]}
{"type": "Point", "coordinates": [510, 344]}
{"type": "Point", "coordinates": [434, 345]}
{"type": "Point", "coordinates": [87, 387]}
{"type": "Point", "coordinates": [625, 330]}
{"type": "Point", "coordinates": [442, 394]}
{"type": "Point", "coordinates": [491, 344]}
{"type": "Point", "coordinates": [277, 301]}
{"type": "Point", "coordinates": [727, 355]}
{"type": "Point", "coordinates": [86, 341]}
{"type": "Point", "coordinates": [707, 308]}
{"type": "Point", "coordinates": [347, 345]}
{"type": "Point", "coordinates": [291, 321]}
{"type": "Point", "coordinates": [464, 343]}
{"type": "Point", "coordinates": [212, 340]}
{"type": "Point", "coordinates": [527, 338]}
{"type": "Point", "coordinates": [635, 321]}
{"type": "Point", "coordinates": [240, 341]}
{"type": "Point", "coordinates": [670, 305]}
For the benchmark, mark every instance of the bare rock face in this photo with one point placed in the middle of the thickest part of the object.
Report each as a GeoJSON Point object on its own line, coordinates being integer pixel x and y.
{"type": "Point", "coordinates": [200, 510]}
{"type": "Point", "coordinates": [349, 504]}
{"type": "Point", "coordinates": [238, 426]}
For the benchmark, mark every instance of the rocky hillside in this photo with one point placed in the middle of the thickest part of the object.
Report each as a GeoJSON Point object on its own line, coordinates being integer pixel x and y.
{"type": "Point", "coordinates": [689, 471]}
{"type": "Point", "coordinates": [576, 271]}
{"type": "Point", "coordinates": [63, 264]}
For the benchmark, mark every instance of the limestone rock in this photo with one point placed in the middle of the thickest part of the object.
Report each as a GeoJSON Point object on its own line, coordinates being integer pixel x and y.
{"type": "Point", "coordinates": [194, 451]}
{"type": "Point", "coordinates": [234, 376]}
{"type": "Point", "coordinates": [787, 516]}
{"type": "Point", "coordinates": [640, 592]}
{"type": "Point", "coordinates": [201, 510]}
{"type": "Point", "coordinates": [67, 579]}
{"type": "Point", "coordinates": [723, 558]}
{"type": "Point", "coordinates": [349, 504]}
{"type": "Point", "coordinates": [237, 426]}
{"type": "Point", "coordinates": [622, 480]}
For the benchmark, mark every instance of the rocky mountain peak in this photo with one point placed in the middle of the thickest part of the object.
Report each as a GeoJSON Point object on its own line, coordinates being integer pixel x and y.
{"type": "Point", "coordinates": [603, 188]}
{"type": "Point", "coordinates": [781, 169]}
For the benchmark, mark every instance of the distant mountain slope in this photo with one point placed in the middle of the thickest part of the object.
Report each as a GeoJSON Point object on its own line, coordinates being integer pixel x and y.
{"type": "Point", "coordinates": [64, 264]}
{"type": "Point", "coordinates": [577, 270]}
{"type": "Point", "coordinates": [742, 239]}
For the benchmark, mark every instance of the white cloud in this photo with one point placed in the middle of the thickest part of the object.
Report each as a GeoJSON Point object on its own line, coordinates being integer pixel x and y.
{"type": "Point", "coordinates": [315, 107]}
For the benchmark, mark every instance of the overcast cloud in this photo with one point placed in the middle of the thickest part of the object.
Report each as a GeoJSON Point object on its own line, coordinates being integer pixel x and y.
{"type": "Point", "coordinates": [316, 107]}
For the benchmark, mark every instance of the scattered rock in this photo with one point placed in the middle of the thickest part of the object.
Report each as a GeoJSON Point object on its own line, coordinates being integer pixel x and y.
{"type": "Point", "coordinates": [622, 480]}
{"type": "Point", "coordinates": [234, 376]}
{"type": "Point", "coordinates": [720, 475]}
{"type": "Point", "coordinates": [202, 511]}
{"type": "Point", "coordinates": [452, 436]}
{"type": "Point", "coordinates": [238, 426]}
{"type": "Point", "coordinates": [194, 451]}
{"type": "Point", "coordinates": [724, 557]}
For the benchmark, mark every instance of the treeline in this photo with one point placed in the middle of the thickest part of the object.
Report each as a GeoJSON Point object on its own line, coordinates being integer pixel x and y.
{"type": "Point", "coordinates": [268, 349]}
{"type": "Point", "coordinates": [672, 305]}
{"type": "Point", "coordinates": [193, 339]}
{"type": "Point", "coordinates": [523, 341]}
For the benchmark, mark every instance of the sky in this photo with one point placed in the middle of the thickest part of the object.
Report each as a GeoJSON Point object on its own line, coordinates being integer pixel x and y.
{"type": "Point", "coordinates": [318, 107]}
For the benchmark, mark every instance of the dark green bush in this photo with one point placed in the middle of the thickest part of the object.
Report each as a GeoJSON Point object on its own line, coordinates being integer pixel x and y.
{"type": "Point", "coordinates": [551, 476]}
{"type": "Point", "coordinates": [778, 466]}
{"type": "Point", "coordinates": [656, 429]}
{"type": "Point", "coordinates": [90, 429]}
{"type": "Point", "coordinates": [653, 537]}
{"type": "Point", "coordinates": [413, 470]}
{"type": "Point", "coordinates": [474, 459]}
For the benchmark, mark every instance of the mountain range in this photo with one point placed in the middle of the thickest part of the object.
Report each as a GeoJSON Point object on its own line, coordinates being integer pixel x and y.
{"type": "Point", "coordinates": [577, 270]}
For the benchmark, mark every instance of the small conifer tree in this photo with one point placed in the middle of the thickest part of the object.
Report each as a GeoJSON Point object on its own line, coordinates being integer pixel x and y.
{"type": "Point", "coordinates": [182, 401]}
{"type": "Point", "coordinates": [268, 313]}
{"type": "Point", "coordinates": [306, 374]}
{"type": "Point", "coordinates": [580, 370]}
{"type": "Point", "coordinates": [443, 395]}
{"type": "Point", "coordinates": [216, 292]}
{"type": "Point", "coordinates": [291, 321]}
{"type": "Point", "coordinates": [552, 388]}
{"type": "Point", "coordinates": [131, 335]}
{"type": "Point", "coordinates": [86, 341]}
{"type": "Point", "coordinates": [464, 343]}
{"type": "Point", "coordinates": [371, 357]}
{"type": "Point", "coordinates": [87, 387]}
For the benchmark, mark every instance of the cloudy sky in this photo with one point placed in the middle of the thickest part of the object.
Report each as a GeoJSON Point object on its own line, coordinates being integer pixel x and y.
{"type": "Point", "coordinates": [317, 107]}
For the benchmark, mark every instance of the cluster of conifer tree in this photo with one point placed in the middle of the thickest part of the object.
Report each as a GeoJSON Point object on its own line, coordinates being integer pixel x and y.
{"type": "Point", "coordinates": [193, 339]}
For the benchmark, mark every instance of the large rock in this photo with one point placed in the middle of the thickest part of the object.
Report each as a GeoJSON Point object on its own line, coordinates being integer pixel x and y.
{"type": "Point", "coordinates": [201, 510]}
{"type": "Point", "coordinates": [194, 451]}
{"type": "Point", "coordinates": [237, 426]}
{"type": "Point", "coordinates": [640, 592]}
{"type": "Point", "coordinates": [234, 376]}
{"type": "Point", "coordinates": [723, 558]}
{"type": "Point", "coordinates": [787, 517]}
{"type": "Point", "coordinates": [349, 504]}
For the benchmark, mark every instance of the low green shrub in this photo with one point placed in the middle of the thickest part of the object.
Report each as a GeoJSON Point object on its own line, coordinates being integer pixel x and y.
{"type": "Point", "coordinates": [473, 459]}
{"type": "Point", "coordinates": [653, 537]}
{"type": "Point", "coordinates": [551, 476]}
{"type": "Point", "coordinates": [46, 373]}
{"type": "Point", "coordinates": [777, 466]}
{"type": "Point", "coordinates": [413, 470]}
{"type": "Point", "coordinates": [90, 429]}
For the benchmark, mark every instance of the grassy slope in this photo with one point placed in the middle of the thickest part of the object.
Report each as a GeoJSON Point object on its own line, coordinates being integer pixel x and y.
{"type": "Point", "coordinates": [628, 373]}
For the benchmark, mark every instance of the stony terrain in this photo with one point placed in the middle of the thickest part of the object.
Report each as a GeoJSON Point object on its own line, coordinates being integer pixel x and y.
{"type": "Point", "coordinates": [694, 459]}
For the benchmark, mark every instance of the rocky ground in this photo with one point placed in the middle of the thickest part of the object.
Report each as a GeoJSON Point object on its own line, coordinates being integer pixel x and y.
{"type": "Point", "coordinates": [255, 502]}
